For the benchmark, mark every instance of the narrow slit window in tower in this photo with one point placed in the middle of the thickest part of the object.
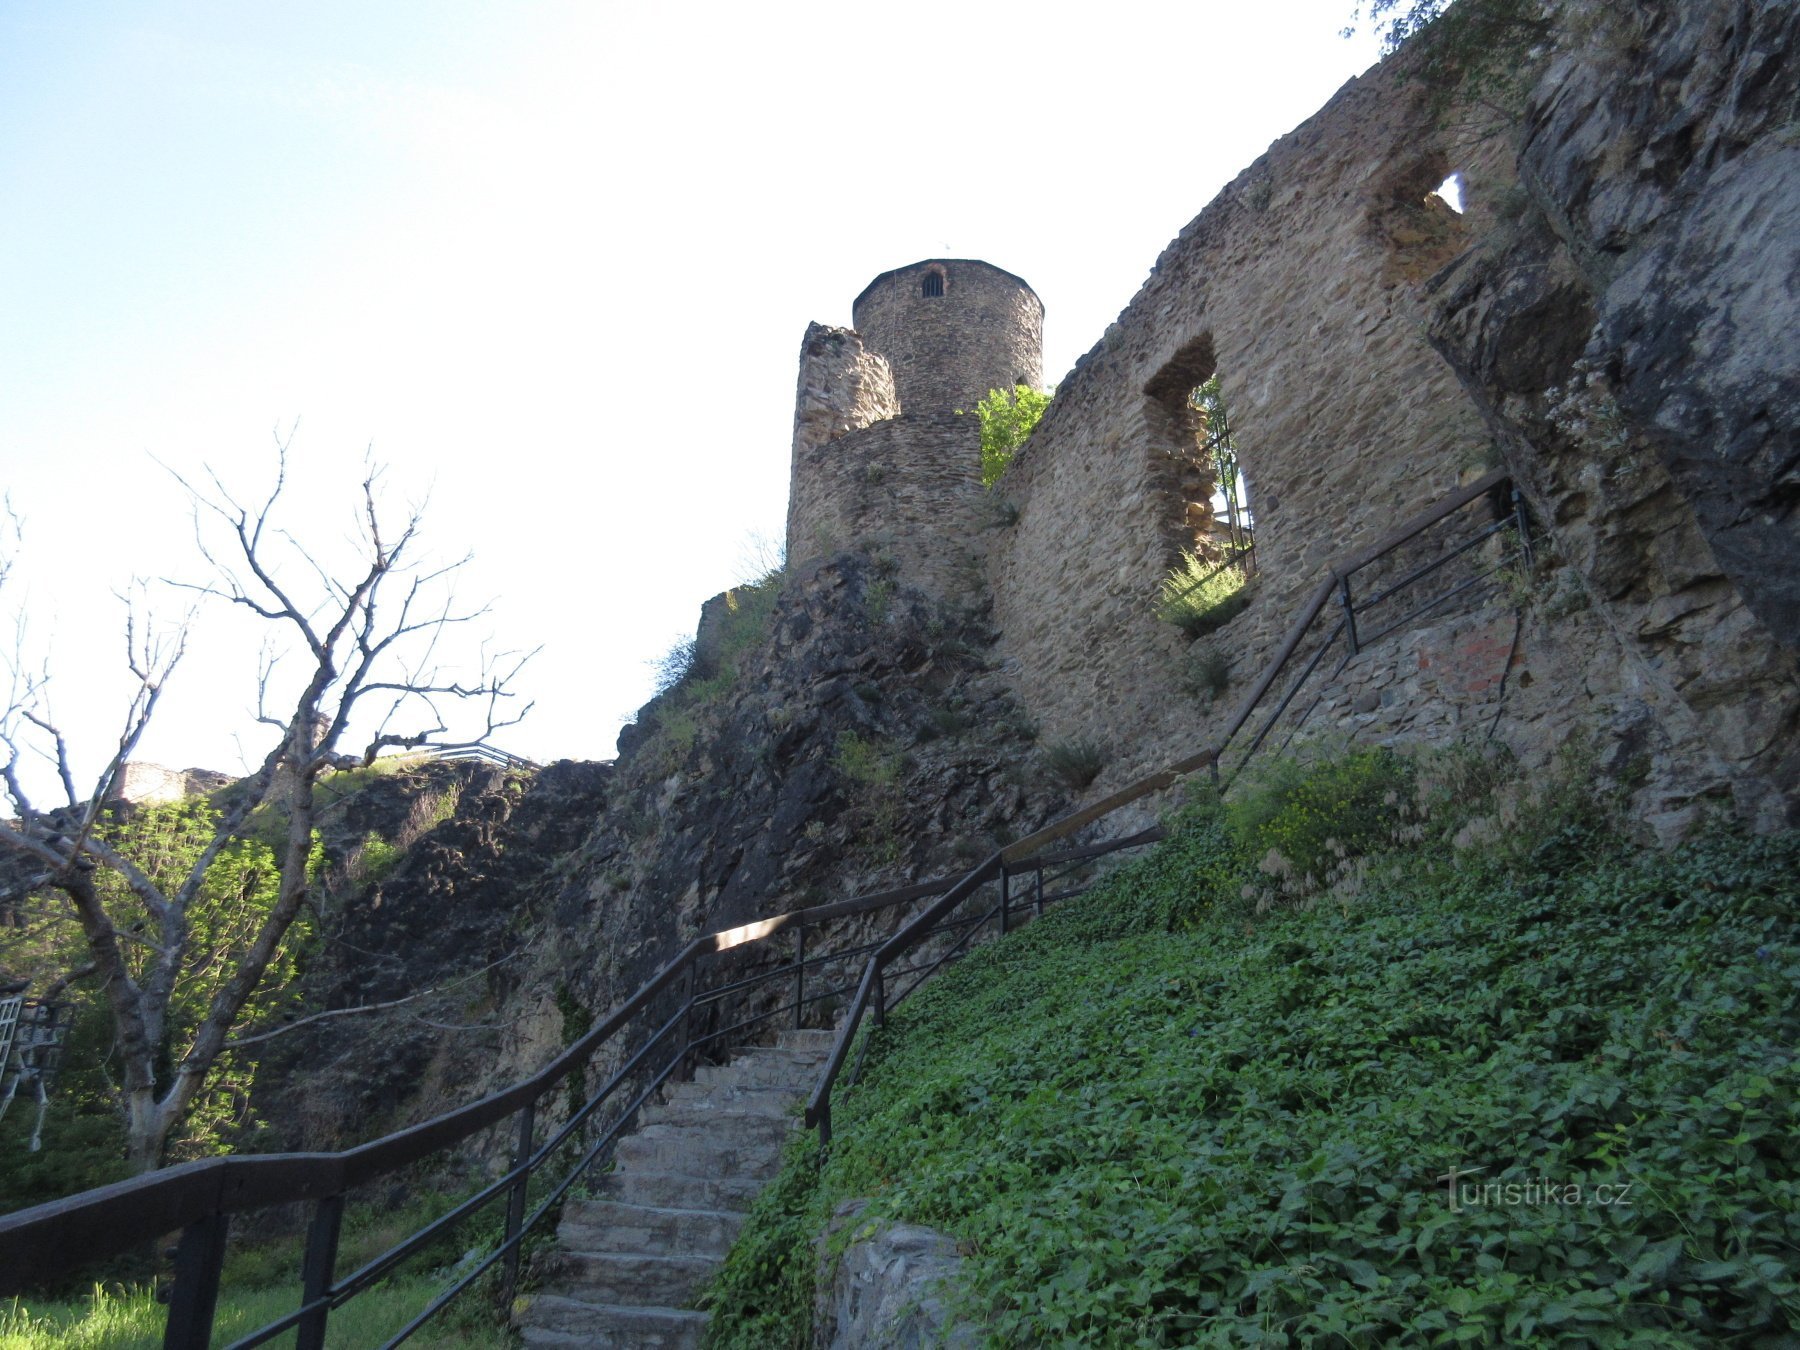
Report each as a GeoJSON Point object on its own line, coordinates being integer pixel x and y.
{"type": "Point", "coordinates": [934, 285]}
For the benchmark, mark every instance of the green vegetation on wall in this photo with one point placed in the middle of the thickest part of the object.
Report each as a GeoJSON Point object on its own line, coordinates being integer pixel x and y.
{"type": "Point", "coordinates": [1201, 594]}
{"type": "Point", "coordinates": [1541, 1091]}
{"type": "Point", "coordinates": [1007, 419]}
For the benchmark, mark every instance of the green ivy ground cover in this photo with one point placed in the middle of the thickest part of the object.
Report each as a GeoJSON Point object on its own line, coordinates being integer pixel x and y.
{"type": "Point", "coordinates": [1160, 1118]}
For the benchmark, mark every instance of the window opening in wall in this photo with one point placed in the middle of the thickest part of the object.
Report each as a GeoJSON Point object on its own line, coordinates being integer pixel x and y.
{"type": "Point", "coordinates": [1450, 192]}
{"type": "Point", "coordinates": [933, 286]}
{"type": "Point", "coordinates": [1218, 447]}
{"type": "Point", "coordinates": [1211, 584]}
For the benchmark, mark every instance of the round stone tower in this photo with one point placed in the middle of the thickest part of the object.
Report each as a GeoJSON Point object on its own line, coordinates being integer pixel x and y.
{"type": "Point", "coordinates": [951, 329]}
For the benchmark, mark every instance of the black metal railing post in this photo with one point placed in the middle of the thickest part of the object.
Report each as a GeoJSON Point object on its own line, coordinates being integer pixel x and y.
{"type": "Point", "coordinates": [880, 999]}
{"type": "Point", "coordinates": [683, 1070]}
{"type": "Point", "coordinates": [192, 1302]}
{"type": "Point", "coordinates": [1037, 896]}
{"type": "Point", "coordinates": [317, 1270]}
{"type": "Point", "coordinates": [799, 976]}
{"type": "Point", "coordinates": [1349, 613]}
{"type": "Point", "coordinates": [1005, 897]}
{"type": "Point", "coordinates": [515, 1203]}
{"type": "Point", "coordinates": [1523, 521]}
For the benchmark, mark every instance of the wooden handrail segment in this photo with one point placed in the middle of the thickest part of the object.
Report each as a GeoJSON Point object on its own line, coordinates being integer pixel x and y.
{"type": "Point", "coordinates": [48, 1240]}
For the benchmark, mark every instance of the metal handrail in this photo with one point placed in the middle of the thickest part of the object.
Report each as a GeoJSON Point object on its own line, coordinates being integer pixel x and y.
{"type": "Point", "coordinates": [870, 995]}
{"type": "Point", "coordinates": [52, 1239]}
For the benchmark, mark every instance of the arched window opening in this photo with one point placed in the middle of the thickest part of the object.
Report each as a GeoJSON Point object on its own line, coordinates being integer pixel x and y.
{"type": "Point", "coordinates": [933, 287]}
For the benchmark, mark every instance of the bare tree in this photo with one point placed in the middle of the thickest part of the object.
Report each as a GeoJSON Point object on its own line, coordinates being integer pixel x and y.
{"type": "Point", "coordinates": [368, 642]}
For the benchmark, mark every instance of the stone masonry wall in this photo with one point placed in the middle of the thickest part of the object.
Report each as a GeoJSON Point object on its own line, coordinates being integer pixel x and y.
{"type": "Point", "coordinates": [906, 487]}
{"type": "Point", "coordinates": [1298, 286]}
{"type": "Point", "coordinates": [985, 331]}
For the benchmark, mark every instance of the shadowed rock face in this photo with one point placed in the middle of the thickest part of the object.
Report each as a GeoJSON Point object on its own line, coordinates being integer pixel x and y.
{"type": "Point", "coordinates": [1675, 176]}
{"type": "Point", "coordinates": [556, 894]}
{"type": "Point", "coordinates": [1630, 339]}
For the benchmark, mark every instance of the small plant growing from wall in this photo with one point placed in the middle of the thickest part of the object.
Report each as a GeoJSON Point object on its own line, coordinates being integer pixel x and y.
{"type": "Point", "coordinates": [1007, 419]}
{"type": "Point", "coordinates": [1074, 763]}
{"type": "Point", "coordinates": [1201, 595]}
{"type": "Point", "coordinates": [874, 769]}
{"type": "Point", "coordinates": [1207, 674]}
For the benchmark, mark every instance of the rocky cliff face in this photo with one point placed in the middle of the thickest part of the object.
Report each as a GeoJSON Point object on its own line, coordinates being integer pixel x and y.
{"type": "Point", "coordinates": [837, 735]}
{"type": "Point", "coordinates": [1620, 325]}
{"type": "Point", "coordinates": [1628, 335]}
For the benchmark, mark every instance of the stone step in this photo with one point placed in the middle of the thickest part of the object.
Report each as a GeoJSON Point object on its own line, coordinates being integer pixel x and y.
{"type": "Point", "coordinates": [632, 1279]}
{"type": "Point", "coordinates": [764, 1068]}
{"type": "Point", "coordinates": [669, 1211]}
{"type": "Point", "coordinates": [815, 1042]}
{"type": "Point", "coordinates": [665, 1148]}
{"type": "Point", "coordinates": [723, 1129]}
{"type": "Point", "coordinates": [680, 1190]}
{"type": "Point", "coordinates": [770, 1103]}
{"type": "Point", "coordinates": [552, 1322]}
{"type": "Point", "coordinates": [611, 1226]}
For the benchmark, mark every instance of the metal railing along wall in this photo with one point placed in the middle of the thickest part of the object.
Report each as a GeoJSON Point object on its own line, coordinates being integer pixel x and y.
{"type": "Point", "coordinates": [959, 906]}
{"type": "Point", "coordinates": [716, 993]}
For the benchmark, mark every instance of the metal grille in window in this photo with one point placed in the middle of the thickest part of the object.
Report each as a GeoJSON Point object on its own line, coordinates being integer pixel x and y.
{"type": "Point", "coordinates": [934, 285]}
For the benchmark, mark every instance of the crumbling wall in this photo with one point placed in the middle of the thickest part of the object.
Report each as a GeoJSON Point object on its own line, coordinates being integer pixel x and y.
{"type": "Point", "coordinates": [1622, 340]}
{"type": "Point", "coordinates": [1298, 287]}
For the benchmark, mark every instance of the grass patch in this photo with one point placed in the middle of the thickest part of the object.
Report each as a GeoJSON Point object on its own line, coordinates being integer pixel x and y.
{"type": "Point", "coordinates": [1206, 674]}
{"type": "Point", "coordinates": [1200, 596]}
{"type": "Point", "coordinates": [1074, 763]}
{"type": "Point", "coordinates": [1158, 1117]}
{"type": "Point", "coordinates": [131, 1319]}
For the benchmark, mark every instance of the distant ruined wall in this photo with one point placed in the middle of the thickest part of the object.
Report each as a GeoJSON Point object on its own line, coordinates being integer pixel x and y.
{"type": "Point", "coordinates": [1298, 287]}
{"type": "Point", "coordinates": [906, 488]}
{"type": "Point", "coordinates": [1611, 318]}
{"type": "Point", "coordinates": [884, 457]}
{"type": "Point", "coordinates": [1622, 339]}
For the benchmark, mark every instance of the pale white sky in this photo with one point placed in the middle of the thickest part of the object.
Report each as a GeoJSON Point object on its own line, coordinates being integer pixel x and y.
{"type": "Point", "coordinates": [552, 261]}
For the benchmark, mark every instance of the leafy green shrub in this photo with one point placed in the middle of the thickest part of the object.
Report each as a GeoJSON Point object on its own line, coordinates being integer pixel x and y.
{"type": "Point", "coordinates": [1200, 596]}
{"type": "Point", "coordinates": [371, 861]}
{"type": "Point", "coordinates": [1074, 763]}
{"type": "Point", "coordinates": [874, 771]}
{"type": "Point", "coordinates": [1308, 825]}
{"type": "Point", "coordinates": [1240, 1132]}
{"type": "Point", "coordinates": [1007, 419]}
{"type": "Point", "coordinates": [672, 666]}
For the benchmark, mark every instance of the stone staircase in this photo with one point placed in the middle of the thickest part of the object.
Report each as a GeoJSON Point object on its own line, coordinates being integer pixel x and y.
{"type": "Point", "coordinates": [630, 1262]}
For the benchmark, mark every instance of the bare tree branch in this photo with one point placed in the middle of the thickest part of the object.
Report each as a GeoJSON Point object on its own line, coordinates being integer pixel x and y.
{"type": "Point", "coordinates": [375, 627]}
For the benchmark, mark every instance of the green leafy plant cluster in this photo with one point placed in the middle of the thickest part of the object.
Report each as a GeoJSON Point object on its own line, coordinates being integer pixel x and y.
{"type": "Point", "coordinates": [1008, 417]}
{"type": "Point", "coordinates": [1201, 595]}
{"type": "Point", "coordinates": [1308, 826]}
{"type": "Point", "coordinates": [1158, 1117]}
{"type": "Point", "coordinates": [1074, 763]}
{"type": "Point", "coordinates": [874, 770]}
{"type": "Point", "coordinates": [82, 1137]}
{"type": "Point", "coordinates": [1206, 673]}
